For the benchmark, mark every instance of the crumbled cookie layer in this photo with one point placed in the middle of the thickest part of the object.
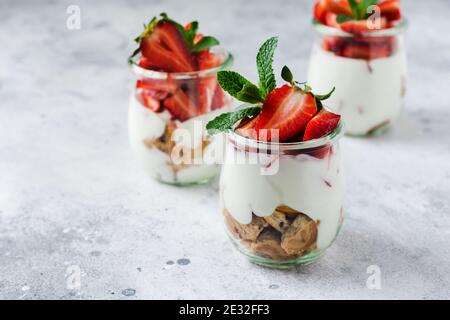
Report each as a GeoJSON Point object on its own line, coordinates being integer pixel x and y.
{"type": "Point", "coordinates": [167, 145]}
{"type": "Point", "coordinates": [284, 235]}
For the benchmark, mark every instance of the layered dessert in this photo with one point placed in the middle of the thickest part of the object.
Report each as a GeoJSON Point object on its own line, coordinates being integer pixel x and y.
{"type": "Point", "coordinates": [282, 184]}
{"type": "Point", "coordinates": [175, 95]}
{"type": "Point", "coordinates": [360, 51]}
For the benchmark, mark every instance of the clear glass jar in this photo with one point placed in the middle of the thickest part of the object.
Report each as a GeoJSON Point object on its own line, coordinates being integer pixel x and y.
{"type": "Point", "coordinates": [282, 203]}
{"type": "Point", "coordinates": [369, 72]}
{"type": "Point", "coordinates": [167, 116]}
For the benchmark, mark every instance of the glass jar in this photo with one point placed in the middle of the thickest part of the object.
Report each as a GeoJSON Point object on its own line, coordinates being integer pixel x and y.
{"type": "Point", "coordinates": [369, 72]}
{"type": "Point", "coordinates": [167, 116]}
{"type": "Point", "coordinates": [282, 203]}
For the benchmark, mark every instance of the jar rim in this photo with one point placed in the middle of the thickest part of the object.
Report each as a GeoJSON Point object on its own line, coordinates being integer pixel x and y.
{"type": "Point", "coordinates": [146, 73]}
{"type": "Point", "coordinates": [397, 29]}
{"type": "Point", "coordinates": [283, 146]}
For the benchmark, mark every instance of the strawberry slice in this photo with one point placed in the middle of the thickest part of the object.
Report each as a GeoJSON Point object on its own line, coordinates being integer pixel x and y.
{"type": "Point", "coordinates": [338, 6]}
{"type": "Point", "coordinates": [333, 44]}
{"type": "Point", "coordinates": [322, 124]}
{"type": "Point", "coordinates": [157, 88]}
{"type": "Point", "coordinates": [365, 51]}
{"type": "Point", "coordinates": [219, 99]}
{"type": "Point", "coordinates": [150, 102]}
{"type": "Point", "coordinates": [165, 49]}
{"type": "Point", "coordinates": [180, 106]}
{"type": "Point", "coordinates": [361, 26]}
{"type": "Point", "coordinates": [320, 12]}
{"type": "Point", "coordinates": [144, 63]}
{"type": "Point", "coordinates": [207, 85]}
{"type": "Point", "coordinates": [390, 9]}
{"type": "Point", "coordinates": [286, 109]}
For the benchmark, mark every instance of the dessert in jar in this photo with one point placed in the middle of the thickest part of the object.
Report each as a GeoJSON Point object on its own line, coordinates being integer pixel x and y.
{"type": "Point", "coordinates": [175, 95]}
{"type": "Point", "coordinates": [359, 49]}
{"type": "Point", "coordinates": [282, 183]}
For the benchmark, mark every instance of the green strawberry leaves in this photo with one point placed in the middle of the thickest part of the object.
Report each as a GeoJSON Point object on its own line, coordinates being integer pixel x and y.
{"type": "Point", "coordinates": [205, 43]}
{"type": "Point", "coordinates": [226, 121]}
{"type": "Point", "coordinates": [264, 61]}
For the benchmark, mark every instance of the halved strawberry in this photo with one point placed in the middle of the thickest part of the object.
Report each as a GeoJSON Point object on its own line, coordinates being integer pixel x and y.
{"type": "Point", "coordinates": [144, 63]}
{"type": "Point", "coordinates": [149, 101]}
{"type": "Point", "coordinates": [362, 26]}
{"type": "Point", "coordinates": [390, 9]}
{"type": "Point", "coordinates": [333, 44]}
{"type": "Point", "coordinates": [286, 109]}
{"type": "Point", "coordinates": [165, 49]}
{"type": "Point", "coordinates": [180, 106]}
{"type": "Point", "coordinates": [322, 124]}
{"type": "Point", "coordinates": [320, 12]}
{"type": "Point", "coordinates": [338, 6]}
{"type": "Point", "coordinates": [366, 51]}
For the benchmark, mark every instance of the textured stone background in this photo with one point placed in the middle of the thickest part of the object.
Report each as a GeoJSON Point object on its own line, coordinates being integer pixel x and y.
{"type": "Point", "coordinates": [72, 198]}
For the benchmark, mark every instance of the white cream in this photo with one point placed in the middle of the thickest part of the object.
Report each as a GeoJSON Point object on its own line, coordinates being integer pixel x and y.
{"type": "Point", "coordinates": [368, 93]}
{"type": "Point", "coordinates": [144, 124]}
{"type": "Point", "coordinates": [309, 185]}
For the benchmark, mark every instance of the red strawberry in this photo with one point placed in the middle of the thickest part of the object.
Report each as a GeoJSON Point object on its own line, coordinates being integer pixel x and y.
{"type": "Point", "coordinates": [331, 20]}
{"type": "Point", "coordinates": [338, 6]}
{"type": "Point", "coordinates": [287, 109]}
{"type": "Point", "coordinates": [322, 124]}
{"type": "Point", "coordinates": [219, 99]}
{"type": "Point", "coordinates": [157, 88]}
{"type": "Point", "coordinates": [365, 51]}
{"type": "Point", "coordinates": [206, 85]}
{"type": "Point", "coordinates": [144, 63]}
{"type": "Point", "coordinates": [150, 102]}
{"type": "Point", "coordinates": [320, 12]}
{"type": "Point", "coordinates": [180, 106]}
{"type": "Point", "coordinates": [165, 49]}
{"type": "Point", "coordinates": [333, 44]}
{"type": "Point", "coordinates": [390, 9]}
{"type": "Point", "coordinates": [361, 26]}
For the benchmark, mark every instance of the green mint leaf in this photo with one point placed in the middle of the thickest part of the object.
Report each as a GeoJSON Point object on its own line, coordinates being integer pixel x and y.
{"type": "Point", "coordinates": [239, 87]}
{"type": "Point", "coordinates": [205, 43]}
{"type": "Point", "coordinates": [226, 121]}
{"type": "Point", "coordinates": [325, 96]}
{"type": "Point", "coordinates": [286, 74]}
{"type": "Point", "coordinates": [343, 18]}
{"type": "Point", "coordinates": [264, 60]}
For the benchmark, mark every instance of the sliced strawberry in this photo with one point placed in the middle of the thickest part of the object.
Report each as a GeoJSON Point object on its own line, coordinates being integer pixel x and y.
{"type": "Point", "coordinates": [390, 9]}
{"type": "Point", "coordinates": [144, 63]}
{"type": "Point", "coordinates": [365, 51]}
{"type": "Point", "coordinates": [338, 6]}
{"type": "Point", "coordinates": [331, 20]}
{"type": "Point", "coordinates": [165, 49]}
{"type": "Point", "coordinates": [320, 12]}
{"type": "Point", "coordinates": [322, 124]}
{"type": "Point", "coordinates": [286, 109]}
{"type": "Point", "coordinates": [333, 44]}
{"type": "Point", "coordinates": [362, 26]}
{"type": "Point", "coordinates": [158, 88]}
{"type": "Point", "coordinates": [150, 102]}
{"type": "Point", "coordinates": [207, 59]}
{"type": "Point", "coordinates": [180, 106]}
{"type": "Point", "coordinates": [219, 99]}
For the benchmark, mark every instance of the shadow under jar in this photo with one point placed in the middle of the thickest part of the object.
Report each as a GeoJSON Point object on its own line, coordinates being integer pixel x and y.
{"type": "Point", "coordinates": [282, 204]}
{"type": "Point", "coordinates": [369, 72]}
{"type": "Point", "coordinates": [167, 116]}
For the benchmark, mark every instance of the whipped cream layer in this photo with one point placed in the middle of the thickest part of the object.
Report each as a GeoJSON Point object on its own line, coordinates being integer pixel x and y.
{"type": "Point", "coordinates": [368, 93]}
{"type": "Point", "coordinates": [309, 185]}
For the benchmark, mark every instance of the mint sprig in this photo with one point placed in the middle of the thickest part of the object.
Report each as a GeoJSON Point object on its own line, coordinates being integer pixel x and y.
{"type": "Point", "coordinates": [239, 87]}
{"type": "Point", "coordinates": [226, 121]}
{"type": "Point", "coordinates": [264, 61]}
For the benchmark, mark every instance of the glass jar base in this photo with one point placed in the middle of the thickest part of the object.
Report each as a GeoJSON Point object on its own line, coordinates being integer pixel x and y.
{"type": "Point", "coordinates": [299, 262]}
{"type": "Point", "coordinates": [187, 183]}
